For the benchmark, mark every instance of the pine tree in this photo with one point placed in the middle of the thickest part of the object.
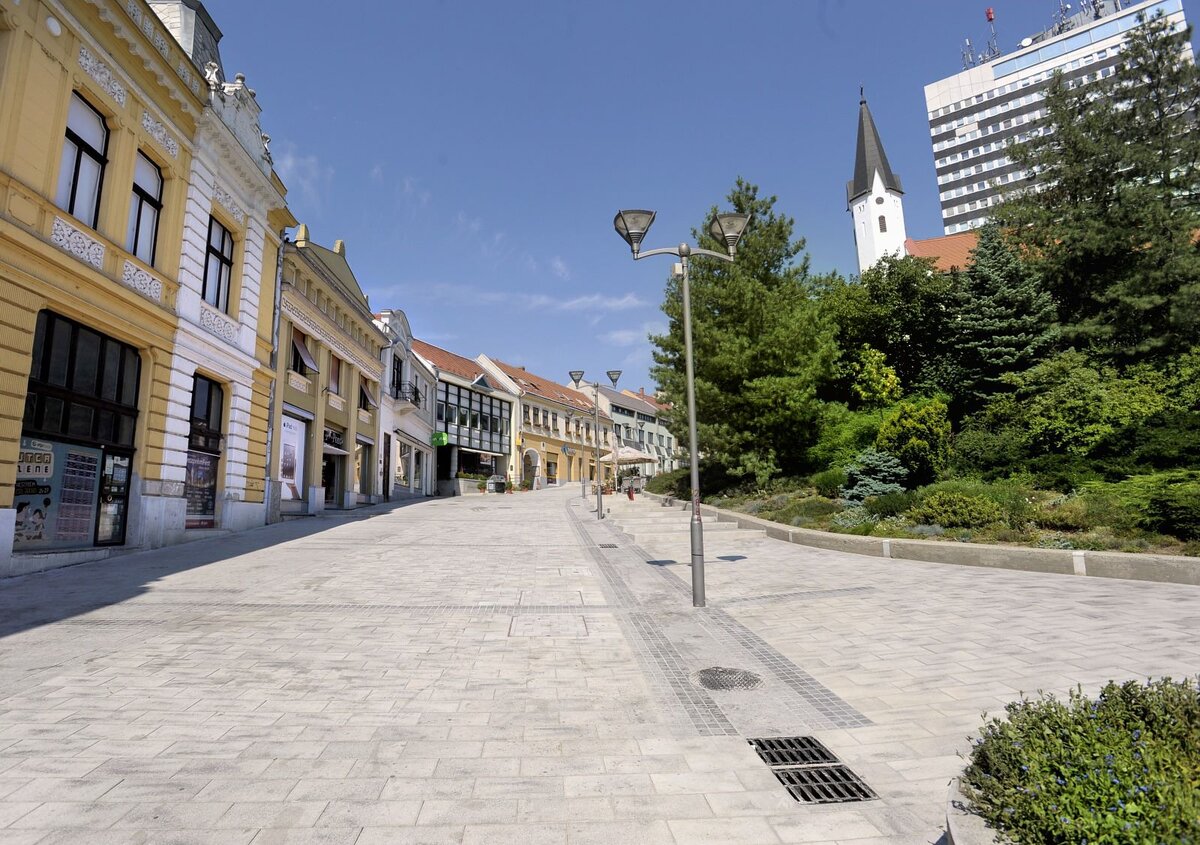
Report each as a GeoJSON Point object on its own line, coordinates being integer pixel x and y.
{"type": "Point", "coordinates": [1111, 231]}
{"type": "Point", "coordinates": [761, 350]}
{"type": "Point", "coordinates": [1005, 322]}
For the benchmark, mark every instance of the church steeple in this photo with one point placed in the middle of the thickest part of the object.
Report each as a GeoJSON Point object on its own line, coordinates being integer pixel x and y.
{"type": "Point", "coordinates": [873, 196]}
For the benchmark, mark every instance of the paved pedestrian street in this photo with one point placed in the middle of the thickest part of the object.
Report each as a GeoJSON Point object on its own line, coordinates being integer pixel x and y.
{"type": "Point", "coordinates": [494, 669]}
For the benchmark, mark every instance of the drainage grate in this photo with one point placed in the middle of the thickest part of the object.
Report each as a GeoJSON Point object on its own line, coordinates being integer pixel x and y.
{"type": "Point", "coordinates": [608, 545]}
{"type": "Point", "coordinates": [722, 678]}
{"type": "Point", "coordinates": [793, 751]}
{"type": "Point", "coordinates": [810, 771]}
{"type": "Point", "coordinates": [825, 785]}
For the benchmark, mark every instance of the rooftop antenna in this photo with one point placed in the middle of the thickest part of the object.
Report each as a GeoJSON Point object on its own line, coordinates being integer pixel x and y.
{"type": "Point", "coordinates": [993, 46]}
{"type": "Point", "coordinates": [968, 55]}
{"type": "Point", "coordinates": [1062, 18]}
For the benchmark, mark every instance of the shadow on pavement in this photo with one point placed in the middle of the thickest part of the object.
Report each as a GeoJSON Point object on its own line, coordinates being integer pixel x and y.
{"type": "Point", "coordinates": [42, 598]}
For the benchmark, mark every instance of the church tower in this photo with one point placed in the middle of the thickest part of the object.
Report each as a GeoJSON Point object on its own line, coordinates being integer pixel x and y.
{"type": "Point", "coordinates": [874, 197]}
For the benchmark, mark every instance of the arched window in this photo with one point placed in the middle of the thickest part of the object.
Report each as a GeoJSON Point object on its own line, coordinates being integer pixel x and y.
{"type": "Point", "coordinates": [882, 223]}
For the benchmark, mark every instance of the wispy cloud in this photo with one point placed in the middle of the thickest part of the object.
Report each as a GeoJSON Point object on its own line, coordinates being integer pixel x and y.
{"type": "Point", "coordinates": [377, 174]}
{"type": "Point", "coordinates": [468, 294]}
{"type": "Point", "coordinates": [413, 192]}
{"type": "Point", "coordinates": [639, 336]}
{"type": "Point", "coordinates": [305, 176]}
{"type": "Point", "coordinates": [559, 268]}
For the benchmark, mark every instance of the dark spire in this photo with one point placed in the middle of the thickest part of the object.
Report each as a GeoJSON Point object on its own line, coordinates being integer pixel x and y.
{"type": "Point", "coordinates": [869, 158]}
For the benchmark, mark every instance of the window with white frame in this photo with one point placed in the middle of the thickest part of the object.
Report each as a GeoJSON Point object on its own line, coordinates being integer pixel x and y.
{"type": "Point", "coordinates": [144, 209]}
{"type": "Point", "coordinates": [81, 172]}
{"type": "Point", "coordinates": [218, 265]}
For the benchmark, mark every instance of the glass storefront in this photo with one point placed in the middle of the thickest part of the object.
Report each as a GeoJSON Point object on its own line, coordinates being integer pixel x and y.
{"type": "Point", "coordinates": [75, 462]}
{"type": "Point", "coordinates": [204, 453]}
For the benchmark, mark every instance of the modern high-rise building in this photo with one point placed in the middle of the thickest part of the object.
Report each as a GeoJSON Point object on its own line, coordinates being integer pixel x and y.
{"type": "Point", "coordinates": [975, 115]}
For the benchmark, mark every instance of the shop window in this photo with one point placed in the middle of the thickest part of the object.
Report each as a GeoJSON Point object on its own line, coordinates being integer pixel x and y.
{"type": "Point", "coordinates": [303, 361]}
{"type": "Point", "coordinates": [218, 266]}
{"type": "Point", "coordinates": [144, 209]}
{"type": "Point", "coordinates": [204, 453]}
{"type": "Point", "coordinates": [82, 384]}
{"type": "Point", "coordinates": [81, 172]}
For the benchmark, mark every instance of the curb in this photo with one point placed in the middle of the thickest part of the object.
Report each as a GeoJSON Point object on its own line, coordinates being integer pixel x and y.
{"type": "Point", "coordinates": [1169, 569]}
{"type": "Point", "coordinates": [962, 826]}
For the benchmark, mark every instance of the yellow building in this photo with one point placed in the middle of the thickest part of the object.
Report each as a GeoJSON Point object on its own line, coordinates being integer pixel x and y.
{"type": "Point", "coordinates": [558, 436]}
{"type": "Point", "coordinates": [138, 209]}
{"type": "Point", "coordinates": [324, 450]}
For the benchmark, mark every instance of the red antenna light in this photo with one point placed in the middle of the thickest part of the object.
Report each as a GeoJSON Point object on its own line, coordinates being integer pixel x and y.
{"type": "Point", "coordinates": [991, 15]}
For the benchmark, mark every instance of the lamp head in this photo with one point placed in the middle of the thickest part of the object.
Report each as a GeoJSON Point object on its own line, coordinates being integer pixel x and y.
{"type": "Point", "coordinates": [613, 375]}
{"type": "Point", "coordinates": [576, 377]}
{"type": "Point", "coordinates": [728, 229]}
{"type": "Point", "coordinates": [632, 225]}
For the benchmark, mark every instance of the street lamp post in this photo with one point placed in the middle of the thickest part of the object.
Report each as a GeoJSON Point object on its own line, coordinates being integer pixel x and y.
{"type": "Point", "coordinates": [632, 225]}
{"type": "Point", "coordinates": [577, 377]}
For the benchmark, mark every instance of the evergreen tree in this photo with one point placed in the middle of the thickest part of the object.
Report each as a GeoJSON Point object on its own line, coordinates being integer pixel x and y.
{"type": "Point", "coordinates": [761, 350]}
{"type": "Point", "coordinates": [1112, 229]}
{"type": "Point", "coordinates": [1005, 321]}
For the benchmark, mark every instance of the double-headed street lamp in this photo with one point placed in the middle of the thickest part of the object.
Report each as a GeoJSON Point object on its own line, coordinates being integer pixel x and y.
{"type": "Point", "coordinates": [632, 225]}
{"type": "Point", "coordinates": [577, 377]}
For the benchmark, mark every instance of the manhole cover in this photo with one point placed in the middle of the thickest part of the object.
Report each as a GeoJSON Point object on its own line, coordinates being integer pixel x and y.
{"type": "Point", "coordinates": [722, 678]}
{"type": "Point", "coordinates": [608, 545]}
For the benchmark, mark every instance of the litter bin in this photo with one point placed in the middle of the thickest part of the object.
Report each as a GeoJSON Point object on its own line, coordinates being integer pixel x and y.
{"type": "Point", "coordinates": [496, 484]}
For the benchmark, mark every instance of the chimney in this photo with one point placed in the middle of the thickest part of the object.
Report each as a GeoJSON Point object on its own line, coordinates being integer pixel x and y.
{"type": "Point", "coordinates": [340, 248]}
{"type": "Point", "coordinates": [642, 391]}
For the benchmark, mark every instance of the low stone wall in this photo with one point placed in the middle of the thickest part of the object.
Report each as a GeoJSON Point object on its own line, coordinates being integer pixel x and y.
{"type": "Point", "coordinates": [1134, 567]}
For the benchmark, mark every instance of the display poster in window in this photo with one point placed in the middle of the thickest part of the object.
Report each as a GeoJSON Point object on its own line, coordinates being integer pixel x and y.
{"type": "Point", "coordinates": [55, 495]}
{"type": "Point", "coordinates": [291, 458]}
{"type": "Point", "coordinates": [200, 490]}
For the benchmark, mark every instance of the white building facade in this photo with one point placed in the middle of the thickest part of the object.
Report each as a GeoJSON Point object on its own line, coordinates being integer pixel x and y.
{"type": "Point", "coordinates": [975, 115]}
{"type": "Point", "coordinates": [406, 414]}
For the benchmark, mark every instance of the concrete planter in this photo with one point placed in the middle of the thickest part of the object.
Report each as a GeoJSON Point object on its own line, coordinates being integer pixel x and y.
{"type": "Point", "coordinates": [962, 826]}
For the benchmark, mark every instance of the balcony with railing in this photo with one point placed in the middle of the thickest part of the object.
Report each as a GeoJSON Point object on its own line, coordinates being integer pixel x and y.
{"type": "Point", "coordinates": [407, 397]}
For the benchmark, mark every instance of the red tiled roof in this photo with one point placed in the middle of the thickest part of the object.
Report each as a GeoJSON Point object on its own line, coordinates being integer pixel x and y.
{"type": "Point", "coordinates": [448, 361]}
{"type": "Point", "coordinates": [545, 388]}
{"type": "Point", "coordinates": [948, 251]}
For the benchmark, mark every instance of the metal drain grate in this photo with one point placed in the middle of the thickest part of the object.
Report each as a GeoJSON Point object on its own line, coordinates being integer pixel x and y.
{"type": "Point", "coordinates": [793, 751]}
{"type": "Point", "coordinates": [722, 678]}
{"type": "Point", "coordinates": [825, 785]}
{"type": "Point", "coordinates": [810, 771]}
{"type": "Point", "coordinates": [608, 545]}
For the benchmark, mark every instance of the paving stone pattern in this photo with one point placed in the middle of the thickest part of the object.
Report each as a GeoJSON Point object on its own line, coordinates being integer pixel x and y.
{"type": "Point", "coordinates": [479, 670]}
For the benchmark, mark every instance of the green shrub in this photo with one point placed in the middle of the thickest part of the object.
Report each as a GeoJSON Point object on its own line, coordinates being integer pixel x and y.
{"type": "Point", "coordinates": [956, 510]}
{"type": "Point", "coordinates": [805, 510]}
{"type": "Point", "coordinates": [676, 483]}
{"type": "Point", "coordinates": [1013, 496]}
{"type": "Point", "coordinates": [1174, 506]}
{"type": "Point", "coordinates": [889, 504]}
{"type": "Point", "coordinates": [1123, 769]}
{"type": "Point", "coordinates": [829, 483]}
{"type": "Point", "coordinates": [918, 433]}
{"type": "Point", "coordinates": [873, 473]}
{"type": "Point", "coordinates": [854, 520]}
{"type": "Point", "coordinates": [842, 434]}
{"type": "Point", "coordinates": [1069, 513]}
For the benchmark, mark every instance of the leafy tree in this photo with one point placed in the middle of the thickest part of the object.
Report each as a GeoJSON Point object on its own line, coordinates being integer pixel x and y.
{"type": "Point", "coordinates": [1005, 320]}
{"type": "Point", "coordinates": [918, 434]}
{"type": "Point", "coordinates": [902, 307]}
{"type": "Point", "coordinates": [1111, 230]}
{"type": "Point", "coordinates": [762, 351]}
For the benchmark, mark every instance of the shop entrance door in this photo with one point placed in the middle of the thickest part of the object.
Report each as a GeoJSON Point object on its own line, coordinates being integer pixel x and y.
{"type": "Point", "coordinates": [114, 501]}
{"type": "Point", "coordinates": [329, 479]}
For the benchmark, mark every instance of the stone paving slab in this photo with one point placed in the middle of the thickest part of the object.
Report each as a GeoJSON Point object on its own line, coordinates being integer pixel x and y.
{"type": "Point", "coordinates": [481, 669]}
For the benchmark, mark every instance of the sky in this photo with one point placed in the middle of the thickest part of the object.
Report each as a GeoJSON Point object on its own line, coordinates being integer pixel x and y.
{"type": "Point", "coordinates": [473, 153]}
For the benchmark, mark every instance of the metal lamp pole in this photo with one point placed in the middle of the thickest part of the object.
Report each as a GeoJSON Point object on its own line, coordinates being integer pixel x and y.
{"type": "Point", "coordinates": [577, 377]}
{"type": "Point", "coordinates": [632, 225]}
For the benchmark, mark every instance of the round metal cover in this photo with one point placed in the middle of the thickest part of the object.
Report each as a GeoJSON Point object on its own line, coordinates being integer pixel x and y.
{"type": "Point", "coordinates": [723, 678]}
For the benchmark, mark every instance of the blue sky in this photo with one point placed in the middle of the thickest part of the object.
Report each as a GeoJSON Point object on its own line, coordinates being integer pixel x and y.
{"type": "Point", "coordinates": [472, 153]}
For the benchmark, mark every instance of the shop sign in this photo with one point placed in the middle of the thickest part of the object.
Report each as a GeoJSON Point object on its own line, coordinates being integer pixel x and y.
{"type": "Point", "coordinates": [55, 495]}
{"type": "Point", "coordinates": [200, 489]}
{"type": "Point", "coordinates": [440, 438]}
{"type": "Point", "coordinates": [336, 439]}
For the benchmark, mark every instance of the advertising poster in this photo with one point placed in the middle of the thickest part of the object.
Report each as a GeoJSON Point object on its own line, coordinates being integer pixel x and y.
{"type": "Point", "coordinates": [55, 495]}
{"type": "Point", "coordinates": [291, 458]}
{"type": "Point", "coordinates": [200, 488]}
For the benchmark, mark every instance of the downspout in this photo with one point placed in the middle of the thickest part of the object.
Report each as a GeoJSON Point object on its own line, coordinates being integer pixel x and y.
{"type": "Point", "coordinates": [276, 305]}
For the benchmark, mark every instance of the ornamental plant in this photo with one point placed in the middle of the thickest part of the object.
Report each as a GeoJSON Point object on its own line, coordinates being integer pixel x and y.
{"type": "Point", "coordinates": [873, 473]}
{"type": "Point", "coordinates": [1122, 769]}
